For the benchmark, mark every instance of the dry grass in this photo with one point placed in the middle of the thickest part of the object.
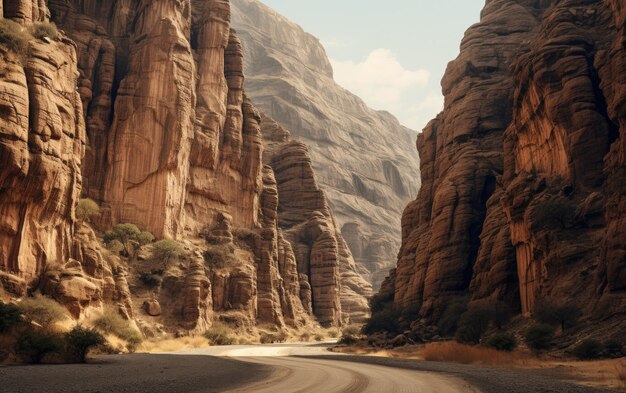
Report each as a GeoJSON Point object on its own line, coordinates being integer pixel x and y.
{"type": "Point", "coordinates": [173, 345]}
{"type": "Point", "coordinates": [609, 374]}
{"type": "Point", "coordinates": [620, 371]}
{"type": "Point", "coordinates": [466, 354]}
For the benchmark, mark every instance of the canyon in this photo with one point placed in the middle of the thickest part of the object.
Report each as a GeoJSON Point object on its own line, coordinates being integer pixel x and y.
{"type": "Point", "coordinates": [523, 173]}
{"type": "Point", "coordinates": [141, 106]}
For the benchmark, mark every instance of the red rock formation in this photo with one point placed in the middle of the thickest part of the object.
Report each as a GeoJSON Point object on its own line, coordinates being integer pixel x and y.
{"type": "Point", "coordinates": [523, 172]}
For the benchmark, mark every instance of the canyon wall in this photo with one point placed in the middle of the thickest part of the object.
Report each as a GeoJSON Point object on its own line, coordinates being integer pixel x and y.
{"type": "Point", "coordinates": [140, 106]}
{"type": "Point", "coordinates": [523, 172]}
{"type": "Point", "coordinates": [364, 160]}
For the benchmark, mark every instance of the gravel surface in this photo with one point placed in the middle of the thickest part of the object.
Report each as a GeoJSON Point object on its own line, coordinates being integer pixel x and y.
{"type": "Point", "coordinates": [134, 373]}
{"type": "Point", "coordinates": [487, 379]}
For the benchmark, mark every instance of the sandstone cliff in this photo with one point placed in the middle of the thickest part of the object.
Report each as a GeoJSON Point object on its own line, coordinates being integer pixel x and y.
{"type": "Point", "coordinates": [140, 106]}
{"type": "Point", "coordinates": [364, 160]}
{"type": "Point", "coordinates": [523, 172]}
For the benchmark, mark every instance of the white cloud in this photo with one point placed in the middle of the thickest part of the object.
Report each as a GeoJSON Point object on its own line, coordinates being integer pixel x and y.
{"type": "Point", "coordinates": [383, 83]}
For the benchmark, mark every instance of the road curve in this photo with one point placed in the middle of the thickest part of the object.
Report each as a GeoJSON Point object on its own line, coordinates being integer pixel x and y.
{"type": "Point", "coordinates": [301, 374]}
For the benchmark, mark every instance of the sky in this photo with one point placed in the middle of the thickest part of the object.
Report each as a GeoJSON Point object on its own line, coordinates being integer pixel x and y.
{"type": "Point", "coordinates": [391, 53]}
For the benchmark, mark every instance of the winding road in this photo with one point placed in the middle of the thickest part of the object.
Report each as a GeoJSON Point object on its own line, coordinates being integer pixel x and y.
{"type": "Point", "coordinates": [282, 368]}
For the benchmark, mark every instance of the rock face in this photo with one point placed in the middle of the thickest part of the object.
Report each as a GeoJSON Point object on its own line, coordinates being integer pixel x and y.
{"type": "Point", "coordinates": [524, 171]}
{"type": "Point", "coordinates": [145, 107]}
{"type": "Point", "coordinates": [290, 78]}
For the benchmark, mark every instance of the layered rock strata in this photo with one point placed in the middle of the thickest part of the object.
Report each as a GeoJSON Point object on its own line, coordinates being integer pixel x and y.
{"type": "Point", "coordinates": [362, 158]}
{"type": "Point", "coordinates": [523, 172]}
{"type": "Point", "coordinates": [145, 107]}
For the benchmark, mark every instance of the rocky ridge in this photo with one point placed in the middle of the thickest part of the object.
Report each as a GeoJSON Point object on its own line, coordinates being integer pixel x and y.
{"type": "Point", "coordinates": [364, 160]}
{"type": "Point", "coordinates": [523, 172]}
{"type": "Point", "coordinates": [140, 106]}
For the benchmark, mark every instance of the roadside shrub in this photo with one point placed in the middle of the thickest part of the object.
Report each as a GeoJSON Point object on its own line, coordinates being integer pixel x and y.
{"type": "Point", "coordinates": [539, 336]}
{"type": "Point", "coordinates": [42, 310]}
{"type": "Point", "coordinates": [14, 37]}
{"type": "Point", "coordinates": [350, 335]}
{"type": "Point", "coordinates": [383, 321]}
{"type": "Point", "coordinates": [150, 280]}
{"type": "Point", "coordinates": [34, 345]}
{"type": "Point", "coordinates": [219, 334]}
{"type": "Point", "coordinates": [111, 322]}
{"type": "Point", "coordinates": [81, 340]}
{"type": "Point", "coordinates": [472, 325]}
{"type": "Point", "coordinates": [614, 348]}
{"type": "Point", "coordinates": [218, 257]}
{"type": "Point", "coordinates": [502, 341]}
{"type": "Point", "coordinates": [87, 209]}
{"type": "Point", "coordinates": [588, 349]}
{"type": "Point", "coordinates": [466, 354]}
{"type": "Point", "coordinates": [318, 337]}
{"type": "Point", "coordinates": [272, 337]}
{"type": "Point", "coordinates": [448, 323]}
{"type": "Point", "coordinates": [557, 314]}
{"type": "Point", "coordinates": [167, 251]}
{"type": "Point", "coordinates": [10, 317]}
{"type": "Point", "coordinates": [45, 29]}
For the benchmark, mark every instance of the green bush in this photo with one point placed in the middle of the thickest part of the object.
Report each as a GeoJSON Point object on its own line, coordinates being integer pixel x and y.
{"type": "Point", "coordinates": [10, 317]}
{"type": "Point", "coordinates": [45, 29]}
{"type": "Point", "coordinates": [145, 237]}
{"type": "Point", "coordinates": [218, 257]}
{"type": "Point", "coordinates": [448, 323]}
{"type": "Point", "coordinates": [42, 310]}
{"type": "Point", "coordinates": [557, 314]}
{"type": "Point", "coordinates": [167, 251]}
{"type": "Point", "coordinates": [588, 349]}
{"type": "Point", "coordinates": [115, 246]}
{"type": "Point", "coordinates": [539, 336]}
{"type": "Point", "coordinates": [218, 334]}
{"type": "Point", "coordinates": [472, 325]}
{"type": "Point", "coordinates": [87, 209]}
{"type": "Point", "coordinates": [34, 345]}
{"type": "Point", "coordinates": [81, 340]}
{"type": "Point", "coordinates": [14, 37]}
{"type": "Point", "coordinates": [111, 322]}
{"type": "Point", "coordinates": [502, 341]}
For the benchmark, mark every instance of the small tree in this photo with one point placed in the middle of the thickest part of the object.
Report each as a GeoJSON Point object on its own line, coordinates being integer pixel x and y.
{"type": "Point", "coordinates": [472, 325]}
{"type": "Point", "coordinates": [166, 251]}
{"type": "Point", "coordinates": [539, 336]}
{"type": "Point", "coordinates": [448, 323]}
{"type": "Point", "coordinates": [127, 234]}
{"type": "Point", "coordinates": [35, 345]}
{"type": "Point", "coordinates": [81, 340]}
{"type": "Point", "coordinates": [87, 209]}
{"type": "Point", "coordinates": [10, 317]}
{"type": "Point", "coordinates": [557, 314]}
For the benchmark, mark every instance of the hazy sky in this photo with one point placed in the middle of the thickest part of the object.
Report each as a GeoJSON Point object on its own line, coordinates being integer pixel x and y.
{"type": "Point", "coordinates": [391, 53]}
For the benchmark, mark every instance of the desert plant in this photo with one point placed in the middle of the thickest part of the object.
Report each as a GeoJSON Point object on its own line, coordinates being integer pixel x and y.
{"type": "Point", "coordinates": [474, 354]}
{"type": "Point", "coordinates": [472, 325]}
{"type": "Point", "coordinates": [218, 257]}
{"type": "Point", "coordinates": [350, 335]}
{"type": "Point", "coordinates": [381, 301]}
{"type": "Point", "coordinates": [383, 321]}
{"type": "Point", "coordinates": [80, 340]}
{"type": "Point", "coordinates": [45, 29]}
{"type": "Point", "coordinates": [502, 341]}
{"type": "Point", "coordinates": [144, 238]}
{"type": "Point", "coordinates": [10, 317]}
{"type": "Point", "coordinates": [539, 336]}
{"type": "Point", "coordinates": [14, 37]}
{"type": "Point", "coordinates": [448, 323]}
{"type": "Point", "coordinates": [115, 246]}
{"type": "Point", "coordinates": [272, 337]}
{"type": "Point", "coordinates": [501, 314]}
{"type": "Point", "coordinates": [219, 334]}
{"type": "Point", "coordinates": [557, 314]}
{"type": "Point", "coordinates": [614, 348]}
{"type": "Point", "coordinates": [588, 349]}
{"type": "Point", "coordinates": [42, 310]}
{"type": "Point", "coordinates": [111, 322]}
{"type": "Point", "coordinates": [126, 234]}
{"type": "Point", "coordinates": [34, 345]}
{"type": "Point", "coordinates": [87, 209]}
{"type": "Point", "coordinates": [167, 251]}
